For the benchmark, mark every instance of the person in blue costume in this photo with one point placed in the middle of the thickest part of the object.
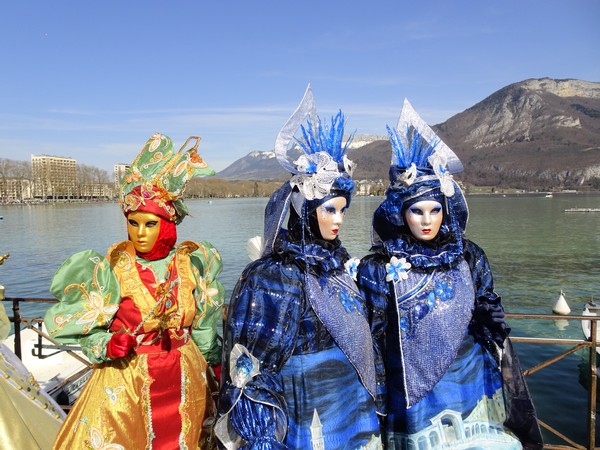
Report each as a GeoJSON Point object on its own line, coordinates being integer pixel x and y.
{"type": "Point", "coordinates": [299, 366]}
{"type": "Point", "coordinates": [453, 379]}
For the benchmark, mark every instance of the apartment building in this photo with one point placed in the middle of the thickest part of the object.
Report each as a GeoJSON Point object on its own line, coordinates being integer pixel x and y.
{"type": "Point", "coordinates": [119, 173]}
{"type": "Point", "coordinates": [53, 177]}
{"type": "Point", "coordinates": [14, 190]}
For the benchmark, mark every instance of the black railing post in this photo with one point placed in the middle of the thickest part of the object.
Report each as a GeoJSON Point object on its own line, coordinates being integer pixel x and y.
{"type": "Point", "coordinates": [17, 323]}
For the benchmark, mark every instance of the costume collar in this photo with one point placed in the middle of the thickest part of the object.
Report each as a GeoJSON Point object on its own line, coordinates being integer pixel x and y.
{"type": "Point", "coordinates": [447, 252]}
{"type": "Point", "coordinates": [314, 255]}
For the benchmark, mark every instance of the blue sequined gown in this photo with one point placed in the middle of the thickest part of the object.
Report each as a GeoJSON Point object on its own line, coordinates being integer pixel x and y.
{"type": "Point", "coordinates": [302, 371]}
{"type": "Point", "coordinates": [434, 326]}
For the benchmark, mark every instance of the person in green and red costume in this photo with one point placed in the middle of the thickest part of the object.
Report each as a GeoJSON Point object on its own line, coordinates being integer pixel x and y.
{"type": "Point", "coordinates": [145, 314]}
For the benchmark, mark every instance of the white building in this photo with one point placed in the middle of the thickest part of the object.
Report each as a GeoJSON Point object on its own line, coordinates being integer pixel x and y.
{"type": "Point", "coordinates": [482, 428]}
{"type": "Point", "coordinates": [95, 190]}
{"type": "Point", "coordinates": [14, 190]}
{"type": "Point", "coordinates": [316, 432]}
{"type": "Point", "coordinates": [53, 176]}
{"type": "Point", "coordinates": [119, 173]}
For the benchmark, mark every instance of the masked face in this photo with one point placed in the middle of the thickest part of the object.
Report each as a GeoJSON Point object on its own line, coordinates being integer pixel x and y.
{"type": "Point", "coordinates": [330, 216]}
{"type": "Point", "coordinates": [143, 229]}
{"type": "Point", "coordinates": [424, 219]}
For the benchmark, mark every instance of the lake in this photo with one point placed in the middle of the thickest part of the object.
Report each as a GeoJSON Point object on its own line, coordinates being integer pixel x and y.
{"type": "Point", "coordinates": [535, 248]}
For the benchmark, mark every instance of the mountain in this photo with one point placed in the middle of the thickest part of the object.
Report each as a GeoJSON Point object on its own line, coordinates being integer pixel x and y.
{"type": "Point", "coordinates": [534, 134]}
{"type": "Point", "coordinates": [540, 131]}
{"type": "Point", "coordinates": [255, 166]}
{"type": "Point", "coordinates": [264, 166]}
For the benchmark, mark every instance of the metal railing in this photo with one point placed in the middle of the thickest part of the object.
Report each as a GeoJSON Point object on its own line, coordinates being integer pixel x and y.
{"type": "Point", "coordinates": [574, 346]}
{"type": "Point", "coordinates": [35, 324]}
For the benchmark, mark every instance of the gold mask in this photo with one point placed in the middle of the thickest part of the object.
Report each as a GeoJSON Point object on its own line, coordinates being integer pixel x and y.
{"type": "Point", "coordinates": [143, 228]}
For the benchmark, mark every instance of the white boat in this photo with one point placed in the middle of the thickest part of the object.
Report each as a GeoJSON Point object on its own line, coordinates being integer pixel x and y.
{"type": "Point", "coordinates": [582, 210]}
{"type": "Point", "coordinates": [58, 373]}
{"type": "Point", "coordinates": [591, 309]}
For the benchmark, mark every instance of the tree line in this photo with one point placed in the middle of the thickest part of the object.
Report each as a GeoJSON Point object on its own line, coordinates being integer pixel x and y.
{"type": "Point", "coordinates": [208, 187]}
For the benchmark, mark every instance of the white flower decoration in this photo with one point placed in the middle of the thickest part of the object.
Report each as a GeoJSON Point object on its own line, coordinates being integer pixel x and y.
{"type": "Point", "coordinates": [352, 267]}
{"type": "Point", "coordinates": [98, 441]}
{"type": "Point", "coordinates": [397, 269]}
{"type": "Point", "coordinates": [410, 175]}
{"type": "Point", "coordinates": [319, 171]}
{"type": "Point", "coordinates": [206, 292]}
{"type": "Point", "coordinates": [113, 394]}
{"type": "Point", "coordinates": [439, 163]}
{"type": "Point", "coordinates": [348, 165]}
{"type": "Point", "coordinates": [98, 311]}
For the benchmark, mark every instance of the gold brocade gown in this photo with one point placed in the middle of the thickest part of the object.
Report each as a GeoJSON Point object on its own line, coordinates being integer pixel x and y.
{"type": "Point", "coordinates": [155, 398]}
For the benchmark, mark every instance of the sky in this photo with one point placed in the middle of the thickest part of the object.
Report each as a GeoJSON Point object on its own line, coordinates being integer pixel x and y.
{"type": "Point", "coordinates": [94, 80]}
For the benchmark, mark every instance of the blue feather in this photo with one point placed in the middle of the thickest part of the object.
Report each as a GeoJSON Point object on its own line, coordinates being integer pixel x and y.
{"type": "Point", "coordinates": [418, 152]}
{"type": "Point", "coordinates": [323, 137]}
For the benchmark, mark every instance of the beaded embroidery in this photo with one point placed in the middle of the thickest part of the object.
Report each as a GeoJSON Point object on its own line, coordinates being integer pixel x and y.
{"type": "Point", "coordinates": [434, 294]}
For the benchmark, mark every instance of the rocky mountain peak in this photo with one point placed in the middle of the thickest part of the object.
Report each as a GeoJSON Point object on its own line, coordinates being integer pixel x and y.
{"type": "Point", "coordinates": [537, 127]}
{"type": "Point", "coordinates": [535, 134]}
{"type": "Point", "coordinates": [563, 88]}
{"type": "Point", "coordinates": [523, 111]}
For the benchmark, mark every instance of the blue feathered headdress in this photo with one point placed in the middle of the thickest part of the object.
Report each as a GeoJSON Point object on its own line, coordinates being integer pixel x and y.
{"type": "Point", "coordinates": [322, 171]}
{"type": "Point", "coordinates": [324, 160]}
{"type": "Point", "coordinates": [418, 152]}
{"type": "Point", "coordinates": [421, 168]}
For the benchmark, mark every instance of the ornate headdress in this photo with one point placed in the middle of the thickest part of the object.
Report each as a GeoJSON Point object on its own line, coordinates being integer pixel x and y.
{"type": "Point", "coordinates": [158, 177]}
{"type": "Point", "coordinates": [322, 171]}
{"type": "Point", "coordinates": [421, 168]}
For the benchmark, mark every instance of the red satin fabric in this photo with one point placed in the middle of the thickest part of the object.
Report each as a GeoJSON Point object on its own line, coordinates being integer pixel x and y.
{"type": "Point", "coordinates": [217, 370]}
{"type": "Point", "coordinates": [170, 340]}
{"type": "Point", "coordinates": [120, 345]}
{"type": "Point", "coordinates": [164, 363]}
{"type": "Point", "coordinates": [127, 317]}
{"type": "Point", "coordinates": [165, 397]}
{"type": "Point", "coordinates": [150, 205]}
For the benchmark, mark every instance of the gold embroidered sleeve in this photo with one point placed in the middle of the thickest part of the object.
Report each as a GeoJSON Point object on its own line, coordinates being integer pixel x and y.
{"type": "Point", "coordinates": [210, 295]}
{"type": "Point", "coordinates": [88, 297]}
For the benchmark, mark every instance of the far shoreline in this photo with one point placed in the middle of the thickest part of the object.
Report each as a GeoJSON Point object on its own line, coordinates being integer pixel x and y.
{"type": "Point", "coordinates": [470, 192]}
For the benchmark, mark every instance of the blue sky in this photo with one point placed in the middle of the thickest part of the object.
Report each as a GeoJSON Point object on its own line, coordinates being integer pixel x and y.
{"type": "Point", "coordinates": [93, 80]}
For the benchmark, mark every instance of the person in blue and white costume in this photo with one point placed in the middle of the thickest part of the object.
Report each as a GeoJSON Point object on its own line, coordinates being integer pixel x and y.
{"type": "Point", "coordinates": [434, 313]}
{"type": "Point", "coordinates": [298, 349]}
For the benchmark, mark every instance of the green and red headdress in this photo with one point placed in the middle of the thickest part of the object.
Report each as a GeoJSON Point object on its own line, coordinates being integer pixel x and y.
{"type": "Point", "coordinates": [158, 177]}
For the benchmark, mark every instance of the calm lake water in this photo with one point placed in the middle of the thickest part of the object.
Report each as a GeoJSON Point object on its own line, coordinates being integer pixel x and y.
{"type": "Point", "coordinates": [535, 248]}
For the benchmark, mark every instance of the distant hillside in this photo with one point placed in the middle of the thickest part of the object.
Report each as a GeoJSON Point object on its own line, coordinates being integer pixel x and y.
{"type": "Point", "coordinates": [535, 134]}
{"type": "Point", "coordinates": [540, 131]}
{"type": "Point", "coordinates": [255, 166]}
{"type": "Point", "coordinates": [264, 166]}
